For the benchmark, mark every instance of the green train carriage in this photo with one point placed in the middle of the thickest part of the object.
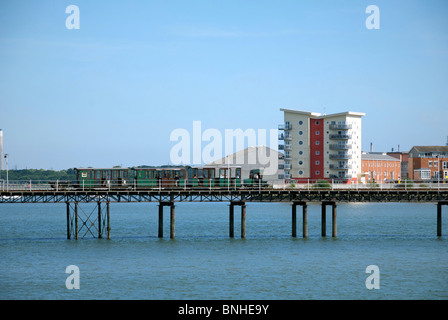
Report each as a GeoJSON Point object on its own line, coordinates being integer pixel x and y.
{"type": "Point", "coordinates": [101, 178]}
{"type": "Point", "coordinates": [159, 177]}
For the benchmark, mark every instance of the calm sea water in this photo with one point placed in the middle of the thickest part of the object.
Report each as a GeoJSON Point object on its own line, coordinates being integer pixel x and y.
{"type": "Point", "coordinates": [203, 263]}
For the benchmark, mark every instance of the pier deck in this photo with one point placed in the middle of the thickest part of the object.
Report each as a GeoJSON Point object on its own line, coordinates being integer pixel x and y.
{"type": "Point", "coordinates": [100, 222]}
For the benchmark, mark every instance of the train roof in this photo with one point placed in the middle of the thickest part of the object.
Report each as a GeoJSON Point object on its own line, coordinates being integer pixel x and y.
{"type": "Point", "coordinates": [158, 168]}
{"type": "Point", "coordinates": [100, 168]}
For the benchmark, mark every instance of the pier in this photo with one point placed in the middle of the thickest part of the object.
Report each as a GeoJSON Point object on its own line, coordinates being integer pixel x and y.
{"type": "Point", "coordinates": [97, 222]}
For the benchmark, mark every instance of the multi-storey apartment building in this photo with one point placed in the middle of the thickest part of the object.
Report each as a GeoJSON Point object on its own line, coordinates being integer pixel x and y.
{"type": "Point", "coordinates": [428, 163]}
{"type": "Point", "coordinates": [319, 146]}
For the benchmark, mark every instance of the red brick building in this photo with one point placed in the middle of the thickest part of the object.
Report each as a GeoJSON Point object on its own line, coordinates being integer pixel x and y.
{"type": "Point", "coordinates": [428, 163]}
{"type": "Point", "coordinates": [379, 167]}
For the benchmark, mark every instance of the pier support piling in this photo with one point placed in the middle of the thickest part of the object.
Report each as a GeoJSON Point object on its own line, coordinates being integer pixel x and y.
{"type": "Point", "coordinates": [68, 221]}
{"type": "Point", "coordinates": [334, 216]}
{"type": "Point", "coordinates": [294, 220]}
{"type": "Point", "coordinates": [76, 220]}
{"type": "Point", "coordinates": [108, 219]}
{"type": "Point", "coordinates": [172, 221]}
{"type": "Point", "coordinates": [231, 221]}
{"type": "Point", "coordinates": [172, 218]}
{"type": "Point", "coordinates": [160, 220]}
{"type": "Point", "coordinates": [304, 219]}
{"type": "Point", "coordinates": [324, 219]}
{"type": "Point", "coordinates": [243, 219]}
{"type": "Point", "coordinates": [100, 235]}
{"type": "Point", "coordinates": [439, 217]}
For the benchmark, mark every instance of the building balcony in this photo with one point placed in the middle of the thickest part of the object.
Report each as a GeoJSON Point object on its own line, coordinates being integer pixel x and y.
{"type": "Point", "coordinates": [286, 147]}
{"type": "Point", "coordinates": [340, 156]}
{"type": "Point", "coordinates": [340, 167]}
{"type": "Point", "coordinates": [340, 146]}
{"type": "Point", "coordinates": [334, 176]}
{"type": "Point", "coordinates": [340, 126]}
{"type": "Point", "coordinates": [340, 136]}
{"type": "Point", "coordinates": [285, 126]}
{"type": "Point", "coordinates": [285, 137]}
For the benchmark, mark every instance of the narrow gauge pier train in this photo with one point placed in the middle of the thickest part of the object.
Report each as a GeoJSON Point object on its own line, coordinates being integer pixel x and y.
{"type": "Point", "coordinates": [206, 177]}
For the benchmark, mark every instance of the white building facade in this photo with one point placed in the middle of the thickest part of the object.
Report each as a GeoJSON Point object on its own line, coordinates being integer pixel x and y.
{"type": "Point", "coordinates": [321, 147]}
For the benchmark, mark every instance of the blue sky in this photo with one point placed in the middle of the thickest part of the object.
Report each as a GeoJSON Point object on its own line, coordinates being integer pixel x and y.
{"type": "Point", "coordinates": [111, 92]}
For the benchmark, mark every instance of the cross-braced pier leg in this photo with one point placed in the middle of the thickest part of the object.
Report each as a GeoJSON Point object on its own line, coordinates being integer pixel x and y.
{"type": "Point", "coordinates": [89, 222]}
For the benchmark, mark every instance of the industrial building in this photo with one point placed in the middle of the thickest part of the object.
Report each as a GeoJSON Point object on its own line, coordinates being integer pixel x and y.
{"type": "Point", "coordinates": [252, 158]}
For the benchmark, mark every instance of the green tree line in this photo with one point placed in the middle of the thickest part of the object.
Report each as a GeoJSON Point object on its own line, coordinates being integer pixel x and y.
{"type": "Point", "coordinates": [39, 174]}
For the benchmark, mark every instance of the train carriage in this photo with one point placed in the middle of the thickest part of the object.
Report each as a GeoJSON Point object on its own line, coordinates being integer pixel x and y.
{"type": "Point", "coordinates": [102, 178]}
{"type": "Point", "coordinates": [214, 176]}
{"type": "Point", "coordinates": [159, 177]}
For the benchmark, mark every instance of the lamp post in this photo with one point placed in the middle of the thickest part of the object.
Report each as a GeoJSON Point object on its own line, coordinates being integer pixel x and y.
{"type": "Point", "coordinates": [7, 175]}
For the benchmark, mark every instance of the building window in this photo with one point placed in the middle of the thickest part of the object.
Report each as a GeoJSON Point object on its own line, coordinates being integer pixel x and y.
{"type": "Point", "coordinates": [317, 143]}
{"type": "Point", "coordinates": [317, 133]}
{"type": "Point", "coordinates": [300, 152]}
{"type": "Point", "coordinates": [300, 162]}
{"type": "Point", "coordinates": [300, 142]}
{"type": "Point", "coordinates": [300, 172]}
{"type": "Point", "coordinates": [317, 173]}
{"type": "Point", "coordinates": [300, 122]}
{"type": "Point", "coordinates": [317, 122]}
{"type": "Point", "coordinates": [300, 132]}
{"type": "Point", "coordinates": [317, 153]}
{"type": "Point", "coordinates": [430, 164]}
{"type": "Point", "coordinates": [445, 164]}
{"type": "Point", "coordinates": [317, 162]}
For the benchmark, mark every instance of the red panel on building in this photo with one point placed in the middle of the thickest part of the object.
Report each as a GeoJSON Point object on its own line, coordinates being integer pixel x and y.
{"type": "Point", "coordinates": [316, 148]}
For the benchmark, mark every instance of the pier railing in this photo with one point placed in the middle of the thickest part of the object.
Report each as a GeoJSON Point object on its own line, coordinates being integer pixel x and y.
{"type": "Point", "coordinates": [110, 185]}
